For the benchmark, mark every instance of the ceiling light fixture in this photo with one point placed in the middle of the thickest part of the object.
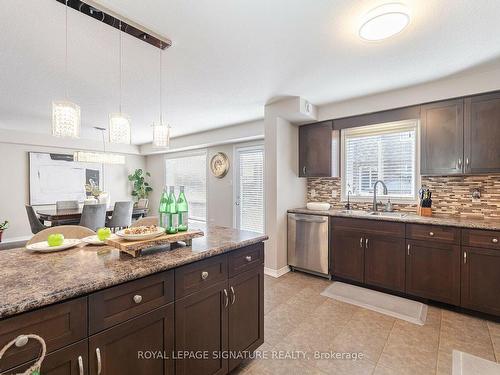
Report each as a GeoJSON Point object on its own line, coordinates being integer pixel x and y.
{"type": "Point", "coordinates": [99, 157]}
{"type": "Point", "coordinates": [161, 132]}
{"type": "Point", "coordinates": [384, 21]}
{"type": "Point", "coordinates": [65, 114]}
{"type": "Point", "coordinates": [119, 123]}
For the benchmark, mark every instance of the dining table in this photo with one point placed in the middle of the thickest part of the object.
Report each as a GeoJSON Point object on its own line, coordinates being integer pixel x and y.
{"type": "Point", "coordinates": [56, 217]}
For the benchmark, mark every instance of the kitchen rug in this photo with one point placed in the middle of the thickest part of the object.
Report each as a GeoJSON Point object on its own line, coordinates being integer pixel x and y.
{"type": "Point", "coordinates": [468, 364]}
{"type": "Point", "coordinates": [397, 307]}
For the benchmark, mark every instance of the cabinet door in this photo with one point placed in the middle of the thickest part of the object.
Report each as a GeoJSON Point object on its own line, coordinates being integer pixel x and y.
{"type": "Point", "coordinates": [433, 271]}
{"type": "Point", "coordinates": [127, 347]}
{"type": "Point", "coordinates": [385, 262]}
{"type": "Point", "coordinates": [315, 150]}
{"type": "Point", "coordinates": [442, 139]}
{"type": "Point", "coordinates": [71, 360]}
{"type": "Point", "coordinates": [246, 313]}
{"type": "Point", "coordinates": [482, 134]}
{"type": "Point", "coordinates": [348, 254]}
{"type": "Point", "coordinates": [201, 327]}
{"type": "Point", "coordinates": [481, 280]}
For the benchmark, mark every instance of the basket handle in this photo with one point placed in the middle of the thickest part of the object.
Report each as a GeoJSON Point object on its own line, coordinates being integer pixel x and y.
{"type": "Point", "coordinates": [22, 340]}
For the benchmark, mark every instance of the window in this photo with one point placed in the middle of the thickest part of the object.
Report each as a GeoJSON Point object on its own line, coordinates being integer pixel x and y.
{"type": "Point", "coordinates": [250, 188]}
{"type": "Point", "coordinates": [384, 152]}
{"type": "Point", "coordinates": [190, 171]}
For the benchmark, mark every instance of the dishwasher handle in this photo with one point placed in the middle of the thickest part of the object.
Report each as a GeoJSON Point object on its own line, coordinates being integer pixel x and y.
{"type": "Point", "coordinates": [309, 218]}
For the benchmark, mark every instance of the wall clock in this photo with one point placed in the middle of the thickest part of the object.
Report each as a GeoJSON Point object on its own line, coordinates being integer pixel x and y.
{"type": "Point", "coordinates": [219, 165]}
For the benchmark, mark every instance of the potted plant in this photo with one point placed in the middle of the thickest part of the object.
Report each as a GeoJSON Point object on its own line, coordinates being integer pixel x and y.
{"type": "Point", "coordinates": [3, 226]}
{"type": "Point", "coordinates": [141, 188]}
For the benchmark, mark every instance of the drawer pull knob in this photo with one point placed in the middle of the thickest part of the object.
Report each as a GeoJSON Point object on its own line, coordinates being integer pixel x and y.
{"type": "Point", "coordinates": [137, 298]}
{"type": "Point", "coordinates": [204, 275]}
{"type": "Point", "coordinates": [431, 234]}
{"type": "Point", "coordinates": [248, 258]}
{"type": "Point", "coordinates": [21, 341]}
{"type": "Point", "coordinates": [494, 240]}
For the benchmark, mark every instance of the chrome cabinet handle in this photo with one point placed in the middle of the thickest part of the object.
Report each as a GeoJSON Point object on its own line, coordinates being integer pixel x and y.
{"type": "Point", "coordinates": [361, 242]}
{"type": "Point", "coordinates": [80, 365]}
{"type": "Point", "coordinates": [494, 240]}
{"type": "Point", "coordinates": [459, 162]}
{"type": "Point", "coordinates": [204, 275]}
{"type": "Point", "coordinates": [366, 243]}
{"type": "Point", "coordinates": [99, 365]}
{"type": "Point", "coordinates": [233, 296]}
{"type": "Point", "coordinates": [465, 257]}
{"type": "Point", "coordinates": [226, 298]}
{"type": "Point", "coordinates": [431, 234]}
{"type": "Point", "coordinates": [467, 161]}
{"type": "Point", "coordinates": [248, 258]}
{"type": "Point", "coordinates": [304, 169]}
{"type": "Point", "coordinates": [408, 251]}
{"type": "Point", "coordinates": [137, 298]}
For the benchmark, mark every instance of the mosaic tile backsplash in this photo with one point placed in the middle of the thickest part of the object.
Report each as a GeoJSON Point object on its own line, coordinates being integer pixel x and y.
{"type": "Point", "coordinates": [450, 195]}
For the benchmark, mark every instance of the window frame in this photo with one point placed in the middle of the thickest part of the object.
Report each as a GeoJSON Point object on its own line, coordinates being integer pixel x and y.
{"type": "Point", "coordinates": [394, 199]}
{"type": "Point", "coordinates": [185, 154]}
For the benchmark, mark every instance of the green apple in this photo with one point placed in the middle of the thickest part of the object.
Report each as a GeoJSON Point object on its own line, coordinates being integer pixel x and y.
{"type": "Point", "coordinates": [55, 239]}
{"type": "Point", "coordinates": [103, 234]}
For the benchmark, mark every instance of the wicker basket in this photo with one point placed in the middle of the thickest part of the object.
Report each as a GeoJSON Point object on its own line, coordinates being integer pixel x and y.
{"type": "Point", "coordinates": [19, 342]}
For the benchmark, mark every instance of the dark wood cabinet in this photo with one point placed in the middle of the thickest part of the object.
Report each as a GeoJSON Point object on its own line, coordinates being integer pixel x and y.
{"type": "Point", "coordinates": [433, 271]}
{"type": "Point", "coordinates": [481, 280]}
{"type": "Point", "coordinates": [318, 150]}
{"type": "Point", "coordinates": [118, 349]}
{"type": "Point", "coordinates": [348, 254]}
{"type": "Point", "coordinates": [201, 326]}
{"type": "Point", "coordinates": [442, 138]}
{"type": "Point", "coordinates": [385, 262]}
{"type": "Point", "coordinates": [246, 314]}
{"type": "Point", "coordinates": [482, 134]}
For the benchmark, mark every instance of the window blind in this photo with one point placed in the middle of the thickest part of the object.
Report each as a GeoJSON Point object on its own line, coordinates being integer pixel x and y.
{"type": "Point", "coordinates": [190, 172]}
{"type": "Point", "coordinates": [251, 189]}
{"type": "Point", "coordinates": [384, 152]}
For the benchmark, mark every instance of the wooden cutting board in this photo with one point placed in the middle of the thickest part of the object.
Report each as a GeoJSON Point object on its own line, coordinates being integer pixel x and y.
{"type": "Point", "coordinates": [134, 248]}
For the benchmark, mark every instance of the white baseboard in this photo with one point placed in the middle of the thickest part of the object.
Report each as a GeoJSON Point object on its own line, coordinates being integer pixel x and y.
{"type": "Point", "coordinates": [276, 273]}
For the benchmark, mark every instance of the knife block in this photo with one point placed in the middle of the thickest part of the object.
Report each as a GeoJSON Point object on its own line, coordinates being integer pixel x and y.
{"type": "Point", "coordinates": [424, 211]}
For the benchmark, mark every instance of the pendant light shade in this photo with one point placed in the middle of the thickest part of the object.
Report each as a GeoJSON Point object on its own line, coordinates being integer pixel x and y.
{"type": "Point", "coordinates": [161, 135]}
{"type": "Point", "coordinates": [65, 119]}
{"type": "Point", "coordinates": [119, 128]}
{"type": "Point", "coordinates": [66, 114]}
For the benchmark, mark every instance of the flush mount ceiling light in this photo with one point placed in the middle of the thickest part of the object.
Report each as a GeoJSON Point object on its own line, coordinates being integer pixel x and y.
{"type": "Point", "coordinates": [384, 21]}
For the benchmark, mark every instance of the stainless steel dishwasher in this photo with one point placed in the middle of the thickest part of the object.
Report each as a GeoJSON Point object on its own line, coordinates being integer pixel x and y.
{"type": "Point", "coordinates": [308, 243]}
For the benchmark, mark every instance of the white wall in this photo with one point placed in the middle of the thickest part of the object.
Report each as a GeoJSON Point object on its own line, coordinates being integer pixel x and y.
{"type": "Point", "coordinates": [14, 186]}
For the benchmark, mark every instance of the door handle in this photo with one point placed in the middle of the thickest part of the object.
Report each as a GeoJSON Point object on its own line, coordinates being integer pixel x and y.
{"type": "Point", "coordinates": [226, 298]}
{"type": "Point", "coordinates": [99, 364]}
{"type": "Point", "coordinates": [361, 242]}
{"type": "Point", "coordinates": [366, 243]}
{"type": "Point", "coordinates": [233, 296]}
{"type": "Point", "coordinates": [304, 169]}
{"type": "Point", "coordinates": [80, 365]}
{"type": "Point", "coordinates": [459, 162]}
{"type": "Point", "coordinates": [408, 251]}
{"type": "Point", "coordinates": [465, 257]}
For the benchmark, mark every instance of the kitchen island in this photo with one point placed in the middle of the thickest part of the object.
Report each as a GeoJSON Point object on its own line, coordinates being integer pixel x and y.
{"type": "Point", "coordinates": [103, 312]}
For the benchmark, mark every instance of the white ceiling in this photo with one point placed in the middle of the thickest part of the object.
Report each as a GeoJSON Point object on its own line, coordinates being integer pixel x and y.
{"type": "Point", "coordinates": [229, 57]}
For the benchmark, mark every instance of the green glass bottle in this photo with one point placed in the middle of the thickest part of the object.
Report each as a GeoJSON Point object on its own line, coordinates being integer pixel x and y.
{"type": "Point", "coordinates": [162, 209]}
{"type": "Point", "coordinates": [182, 210]}
{"type": "Point", "coordinates": [172, 212]}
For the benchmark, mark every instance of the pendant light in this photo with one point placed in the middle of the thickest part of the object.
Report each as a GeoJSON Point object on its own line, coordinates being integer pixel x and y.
{"type": "Point", "coordinates": [65, 114]}
{"type": "Point", "coordinates": [99, 157]}
{"type": "Point", "coordinates": [161, 132]}
{"type": "Point", "coordinates": [119, 123]}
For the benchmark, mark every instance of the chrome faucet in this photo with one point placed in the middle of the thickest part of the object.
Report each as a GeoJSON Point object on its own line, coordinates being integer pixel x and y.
{"type": "Point", "coordinates": [375, 203]}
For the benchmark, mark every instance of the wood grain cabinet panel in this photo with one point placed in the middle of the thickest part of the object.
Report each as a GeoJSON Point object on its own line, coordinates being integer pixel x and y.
{"type": "Point", "coordinates": [318, 150]}
{"type": "Point", "coordinates": [487, 239]}
{"type": "Point", "coordinates": [385, 262]}
{"type": "Point", "coordinates": [245, 259]}
{"type": "Point", "coordinates": [348, 254]}
{"type": "Point", "coordinates": [433, 233]}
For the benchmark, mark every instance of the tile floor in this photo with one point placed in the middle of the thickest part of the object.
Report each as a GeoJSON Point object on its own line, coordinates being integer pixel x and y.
{"type": "Point", "coordinates": [298, 318]}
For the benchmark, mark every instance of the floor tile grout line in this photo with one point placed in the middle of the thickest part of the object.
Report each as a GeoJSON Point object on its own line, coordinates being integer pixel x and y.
{"type": "Point", "coordinates": [497, 359]}
{"type": "Point", "coordinates": [439, 339]}
{"type": "Point", "coordinates": [385, 345]}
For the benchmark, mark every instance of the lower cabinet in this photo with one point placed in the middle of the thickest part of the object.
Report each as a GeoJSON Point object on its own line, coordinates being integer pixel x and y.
{"type": "Point", "coordinates": [481, 280]}
{"type": "Point", "coordinates": [385, 262]}
{"type": "Point", "coordinates": [433, 271]}
{"type": "Point", "coordinates": [348, 254]}
{"type": "Point", "coordinates": [128, 347]}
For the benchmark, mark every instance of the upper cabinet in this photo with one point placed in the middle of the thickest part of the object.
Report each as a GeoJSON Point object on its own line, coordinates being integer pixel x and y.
{"type": "Point", "coordinates": [442, 145]}
{"type": "Point", "coordinates": [482, 134]}
{"type": "Point", "coordinates": [461, 136]}
{"type": "Point", "coordinates": [318, 150]}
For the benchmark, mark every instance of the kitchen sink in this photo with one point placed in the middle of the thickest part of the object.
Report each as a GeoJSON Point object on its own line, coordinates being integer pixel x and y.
{"type": "Point", "coordinates": [387, 214]}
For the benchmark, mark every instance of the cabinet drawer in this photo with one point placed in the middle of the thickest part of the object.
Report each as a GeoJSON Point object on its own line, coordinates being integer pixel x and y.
{"type": "Point", "coordinates": [59, 325]}
{"type": "Point", "coordinates": [200, 275]}
{"type": "Point", "coordinates": [433, 233]}
{"type": "Point", "coordinates": [481, 238]}
{"type": "Point", "coordinates": [364, 226]}
{"type": "Point", "coordinates": [120, 303]}
{"type": "Point", "coordinates": [245, 259]}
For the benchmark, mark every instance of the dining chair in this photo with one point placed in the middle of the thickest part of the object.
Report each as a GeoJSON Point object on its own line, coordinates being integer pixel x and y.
{"type": "Point", "coordinates": [67, 205]}
{"type": "Point", "coordinates": [122, 215]}
{"type": "Point", "coordinates": [35, 224]}
{"type": "Point", "coordinates": [68, 231]}
{"type": "Point", "coordinates": [146, 221]}
{"type": "Point", "coordinates": [93, 216]}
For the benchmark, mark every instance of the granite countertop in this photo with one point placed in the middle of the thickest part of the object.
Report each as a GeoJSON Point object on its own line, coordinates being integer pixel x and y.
{"type": "Point", "coordinates": [452, 221]}
{"type": "Point", "coordinates": [31, 280]}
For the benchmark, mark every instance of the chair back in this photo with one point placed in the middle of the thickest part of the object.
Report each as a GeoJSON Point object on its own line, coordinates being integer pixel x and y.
{"type": "Point", "coordinates": [35, 224]}
{"type": "Point", "coordinates": [147, 221]}
{"type": "Point", "coordinates": [93, 216]}
{"type": "Point", "coordinates": [68, 231]}
{"type": "Point", "coordinates": [67, 205]}
{"type": "Point", "coordinates": [122, 215]}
